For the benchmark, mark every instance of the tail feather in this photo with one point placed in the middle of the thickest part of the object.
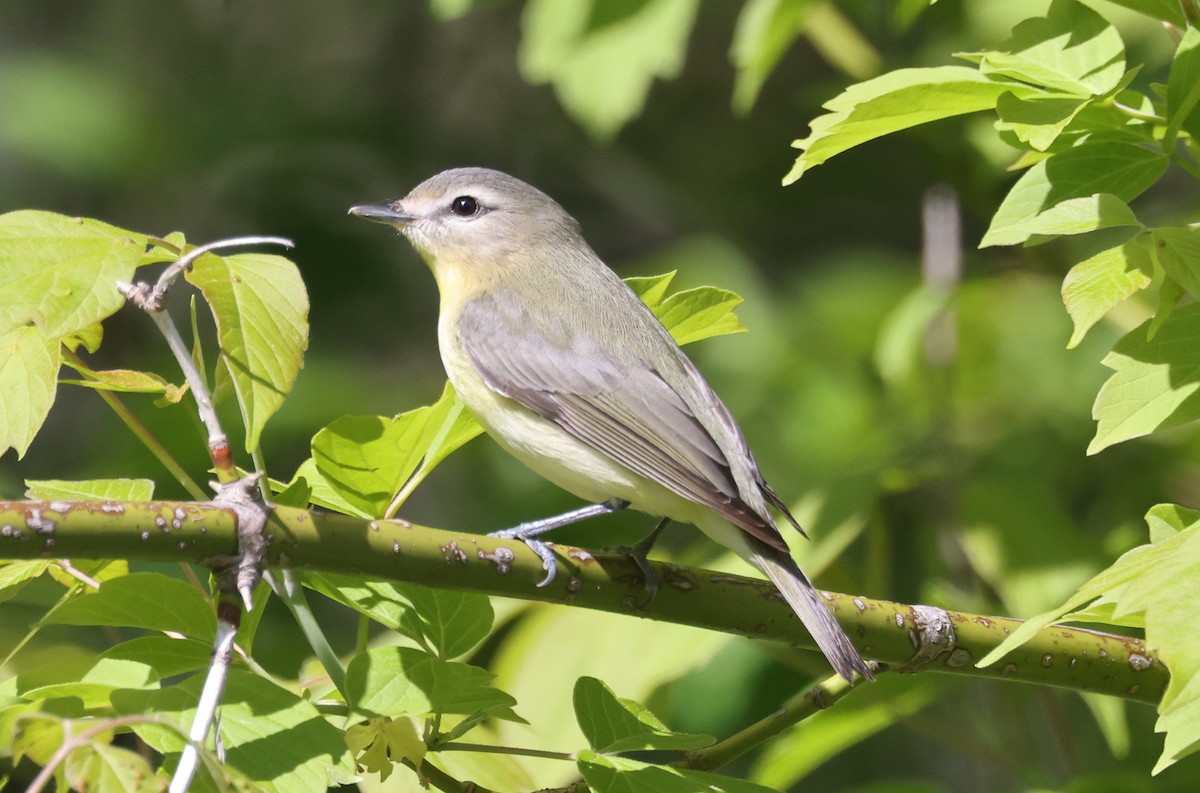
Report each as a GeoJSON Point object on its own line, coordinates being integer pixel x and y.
{"type": "Point", "coordinates": [812, 611]}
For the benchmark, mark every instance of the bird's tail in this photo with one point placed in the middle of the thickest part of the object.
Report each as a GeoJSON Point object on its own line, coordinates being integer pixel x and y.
{"type": "Point", "coordinates": [812, 611]}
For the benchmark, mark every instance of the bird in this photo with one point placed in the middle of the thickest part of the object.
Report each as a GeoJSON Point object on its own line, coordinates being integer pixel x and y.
{"type": "Point", "coordinates": [570, 372]}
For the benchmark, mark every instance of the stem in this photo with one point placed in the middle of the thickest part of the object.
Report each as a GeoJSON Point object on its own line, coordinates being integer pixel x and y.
{"type": "Point", "coordinates": [143, 434]}
{"type": "Point", "coordinates": [457, 746]}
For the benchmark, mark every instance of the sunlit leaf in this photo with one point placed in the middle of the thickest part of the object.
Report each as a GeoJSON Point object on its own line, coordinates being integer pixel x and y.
{"type": "Point", "coordinates": [614, 724]}
{"type": "Point", "coordinates": [91, 489]}
{"type": "Point", "coordinates": [1094, 286]}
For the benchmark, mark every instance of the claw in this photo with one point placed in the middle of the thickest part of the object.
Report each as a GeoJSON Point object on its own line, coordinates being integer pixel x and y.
{"type": "Point", "coordinates": [549, 563]}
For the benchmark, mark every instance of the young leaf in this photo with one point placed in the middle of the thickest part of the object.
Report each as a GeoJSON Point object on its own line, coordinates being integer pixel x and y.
{"type": "Point", "coordinates": [607, 774]}
{"type": "Point", "coordinates": [388, 681]}
{"type": "Point", "coordinates": [91, 490]}
{"type": "Point", "coordinates": [1094, 286]}
{"type": "Point", "coordinates": [128, 381]}
{"type": "Point", "coordinates": [261, 311]}
{"type": "Point", "coordinates": [1155, 383]}
{"type": "Point", "coordinates": [29, 362]}
{"type": "Point", "coordinates": [60, 273]}
{"type": "Point", "coordinates": [142, 600]}
{"type": "Point", "coordinates": [602, 58]}
{"type": "Point", "coordinates": [1072, 49]}
{"type": "Point", "coordinates": [1183, 87]}
{"type": "Point", "coordinates": [894, 101]}
{"type": "Point", "coordinates": [612, 724]}
{"type": "Point", "coordinates": [1124, 169]}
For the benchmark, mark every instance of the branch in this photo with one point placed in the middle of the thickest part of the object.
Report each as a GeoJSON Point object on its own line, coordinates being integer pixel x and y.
{"type": "Point", "coordinates": [903, 638]}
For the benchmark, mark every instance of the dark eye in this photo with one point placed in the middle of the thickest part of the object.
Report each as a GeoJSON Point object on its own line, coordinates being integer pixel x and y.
{"type": "Point", "coordinates": [464, 206]}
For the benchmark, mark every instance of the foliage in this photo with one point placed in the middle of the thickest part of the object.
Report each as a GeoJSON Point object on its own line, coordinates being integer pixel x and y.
{"type": "Point", "coordinates": [917, 456]}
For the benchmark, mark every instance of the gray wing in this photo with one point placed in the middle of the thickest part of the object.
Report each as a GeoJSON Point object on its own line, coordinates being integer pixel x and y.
{"type": "Point", "coordinates": [623, 408]}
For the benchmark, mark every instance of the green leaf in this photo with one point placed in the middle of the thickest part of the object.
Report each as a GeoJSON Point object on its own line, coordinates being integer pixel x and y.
{"type": "Point", "coordinates": [90, 490]}
{"type": "Point", "coordinates": [1178, 251]}
{"type": "Point", "coordinates": [764, 31]}
{"type": "Point", "coordinates": [60, 273]}
{"type": "Point", "coordinates": [261, 311]}
{"type": "Point", "coordinates": [603, 57]}
{"type": "Point", "coordinates": [1165, 10]}
{"type": "Point", "coordinates": [270, 735]}
{"type": "Point", "coordinates": [128, 381]}
{"type": "Point", "coordinates": [167, 656]}
{"type": "Point", "coordinates": [894, 101]}
{"type": "Point", "coordinates": [1183, 88]}
{"type": "Point", "coordinates": [1094, 286]}
{"type": "Point", "coordinates": [690, 315]}
{"type": "Point", "coordinates": [1081, 215]}
{"type": "Point", "coordinates": [379, 744]}
{"type": "Point", "coordinates": [1072, 49]}
{"type": "Point", "coordinates": [613, 724]}
{"type": "Point", "coordinates": [142, 600]}
{"type": "Point", "coordinates": [606, 774]}
{"type": "Point", "coordinates": [29, 362]}
{"type": "Point", "coordinates": [91, 680]}
{"type": "Point", "coordinates": [1123, 169]}
{"type": "Point", "coordinates": [451, 622]}
{"type": "Point", "coordinates": [15, 575]}
{"type": "Point", "coordinates": [1155, 381]}
{"type": "Point", "coordinates": [390, 681]}
{"type": "Point", "coordinates": [100, 767]}
{"type": "Point", "coordinates": [1037, 121]}
{"type": "Point", "coordinates": [367, 459]}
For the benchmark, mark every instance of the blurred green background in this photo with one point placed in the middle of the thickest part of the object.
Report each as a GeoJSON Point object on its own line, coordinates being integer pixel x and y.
{"type": "Point", "coordinates": [932, 439]}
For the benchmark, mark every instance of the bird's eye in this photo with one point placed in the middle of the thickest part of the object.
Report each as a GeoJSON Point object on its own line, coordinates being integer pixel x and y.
{"type": "Point", "coordinates": [464, 206]}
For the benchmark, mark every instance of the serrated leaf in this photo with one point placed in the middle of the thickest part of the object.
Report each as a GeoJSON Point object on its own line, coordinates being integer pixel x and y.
{"type": "Point", "coordinates": [1155, 381]}
{"type": "Point", "coordinates": [367, 459]}
{"type": "Point", "coordinates": [29, 363]}
{"type": "Point", "coordinates": [261, 310]}
{"type": "Point", "coordinates": [1072, 49]}
{"type": "Point", "coordinates": [1183, 87]}
{"type": "Point", "coordinates": [1122, 169]}
{"type": "Point", "coordinates": [1037, 121]}
{"type": "Point", "coordinates": [764, 31]}
{"type": "Point", "coordinates": [60, 273]}
{"type": "Point", "coordinates": [389, 681]}
{"type": "Point", "coordinates": [1094, 286]}
{"type": "Point", "coordinates": [272, 736]}
{"type": "Point", "coordinates": [612, 724]}
{"type": "Point", "coordinates": [142, 600]}
{"type": "Point", "coordinates": [894, 101]}
{"type": "Point", "coordinates": [605, 774]}
{"type": "Point", "coordinates": [90, 490]}
{"type": "Point", "coordinates": [602, 58]}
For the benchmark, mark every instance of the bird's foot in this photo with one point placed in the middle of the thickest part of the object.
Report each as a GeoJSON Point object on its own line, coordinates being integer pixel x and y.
{"type": "Point", "coordinates": [522, 533]}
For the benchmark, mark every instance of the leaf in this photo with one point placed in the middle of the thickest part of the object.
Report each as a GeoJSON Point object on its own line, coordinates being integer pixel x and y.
{"type": "Point", "coordinates": [15, 575]}
{"type": "Point", "coordinates": [1072, 49]}
{"type": "Point", "coordinates": [1183, 87]}
{"type": "Point", "coordinates": [128, 381]}
{"type": "Point", "coordinates": [142, 600]}
{"type": "Point", "coordinates": [381, 743]}
{"type": "Point", "coordinates": [167, 656]}
{"type": "Point", "coordinates": [1165, 10]}
{"type": "Point", "coordinates": [894, 101]}
{"type": "Point", "coordinates": [611, 724]}
{"type": "Point", "coordinates": [602, 57]}
{"type": "Point", "coordinates": [29, 362]}
{"type": "Point", "coordinates": [92, 680]}
{"type": "Point", "coordinates": [100, 767]}
{"type": "Point", "coordinates": [1037, 121]}
{"type": "Point", "coordinates": [606, 774]}
{"type": "Point", "coordinates": [367, 459]}
{"type": "Point", "coordinates": [60, 273]}
{"type": "Point", "coordinates": [764, 31]}
{"type": "Point", "coordinates": [390, 681]}
{"type": "Point", "coordinates": [1178, 251]}
{"type": "Point", "coordinates": [270, 735]}
{"type": "Point", "coordinates": [261, 311]}
{"type": "Point", "coordinates": [1094, 286]}
{"type": "Point", "coordinates": [1081, 215]}
{"type": "Point", "coordinates": [690, 315]}
{"type": "Point", "coordinates": [452, 622]}
{"type": "Point", "coordinates": [1121, 168]}
{"type": "Point", "coordinates": [1155, 381]}
{"type": "Point", "coordinates": [90, 490]}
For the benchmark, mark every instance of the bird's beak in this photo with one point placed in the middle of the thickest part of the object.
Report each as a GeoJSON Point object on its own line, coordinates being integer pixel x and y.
{"type": "Point", "coordinates": [391, 214]}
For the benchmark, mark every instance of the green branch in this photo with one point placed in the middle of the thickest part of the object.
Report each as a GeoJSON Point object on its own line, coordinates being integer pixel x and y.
{"type": "Point", "coordinates": [903, 638]}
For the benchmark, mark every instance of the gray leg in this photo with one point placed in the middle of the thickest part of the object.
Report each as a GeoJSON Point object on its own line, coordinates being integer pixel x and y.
{"type": "Point", "coordinates": [639, 554]}
{"type": "Point", "coordinates": [529, 531]}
